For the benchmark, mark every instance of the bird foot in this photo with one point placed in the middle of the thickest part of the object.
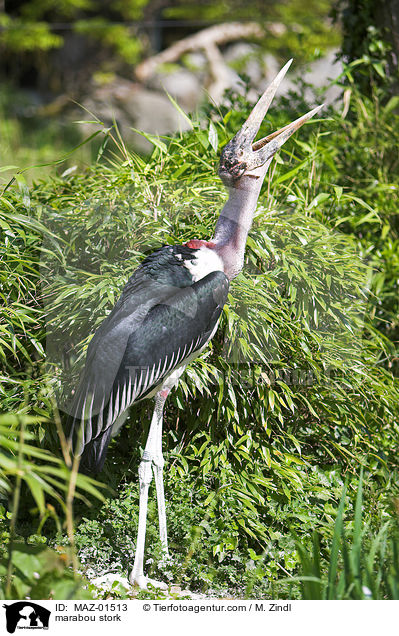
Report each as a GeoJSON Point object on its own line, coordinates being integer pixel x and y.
{"type": "Point", "coordinates": [143, 582]}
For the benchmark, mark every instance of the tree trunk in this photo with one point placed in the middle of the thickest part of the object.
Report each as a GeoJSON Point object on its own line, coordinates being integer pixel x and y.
{"type": "Point", "coordinates": [366, 24]}
{"type": "Point", "coordinates": [387, 21]}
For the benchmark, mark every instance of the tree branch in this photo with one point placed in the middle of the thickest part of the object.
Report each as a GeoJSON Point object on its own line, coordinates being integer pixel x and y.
{"type": "Point", "coordinates": [203, 40]}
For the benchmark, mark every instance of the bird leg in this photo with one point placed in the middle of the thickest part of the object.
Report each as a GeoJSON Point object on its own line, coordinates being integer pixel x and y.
{"type": "Point", "coordinates": [145, 477]}
{"type": "Point", "coordinates": [151, 456]}
{"type": "Point", "coordinates": [158, 464]}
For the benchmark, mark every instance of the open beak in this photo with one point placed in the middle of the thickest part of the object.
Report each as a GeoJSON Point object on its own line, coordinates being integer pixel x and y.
{"type": "Point", "coordinates": [242, 154]}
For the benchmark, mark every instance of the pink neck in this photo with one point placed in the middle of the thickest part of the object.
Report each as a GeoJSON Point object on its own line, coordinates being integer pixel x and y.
{"type": "Point", "coordinates": [235, 220]}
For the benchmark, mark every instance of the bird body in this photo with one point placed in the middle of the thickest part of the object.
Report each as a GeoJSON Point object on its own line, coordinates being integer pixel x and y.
{"type": "Point", "coordinates": [167, 313]}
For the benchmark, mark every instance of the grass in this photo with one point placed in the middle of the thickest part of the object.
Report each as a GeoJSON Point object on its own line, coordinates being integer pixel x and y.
{"type": "Point", "coordinates": [362, 565]}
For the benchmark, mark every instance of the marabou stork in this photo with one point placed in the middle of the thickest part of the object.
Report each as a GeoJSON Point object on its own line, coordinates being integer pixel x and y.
{"type": "Point", "coordinates": [168, 312]}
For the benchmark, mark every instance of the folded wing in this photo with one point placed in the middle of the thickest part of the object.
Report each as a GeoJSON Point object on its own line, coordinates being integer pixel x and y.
{"type": "Point", "coordinates": [150, 333]}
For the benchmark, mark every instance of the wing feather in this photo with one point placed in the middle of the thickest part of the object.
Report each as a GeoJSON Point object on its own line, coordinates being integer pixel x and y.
{"type": "Point", "coordinates": [123, 401]}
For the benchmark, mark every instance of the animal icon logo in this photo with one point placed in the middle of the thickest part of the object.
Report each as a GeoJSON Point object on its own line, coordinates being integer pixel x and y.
{"type": "Point", "coordinates": [26, 615]}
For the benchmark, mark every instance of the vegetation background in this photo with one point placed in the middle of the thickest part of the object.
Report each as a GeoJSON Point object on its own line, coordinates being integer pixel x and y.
{"type": "Point", "coordinates": [282, 439]}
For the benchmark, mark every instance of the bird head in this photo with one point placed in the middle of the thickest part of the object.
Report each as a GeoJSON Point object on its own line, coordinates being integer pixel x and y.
{"type": "Point", "coordinates": [243, 156]}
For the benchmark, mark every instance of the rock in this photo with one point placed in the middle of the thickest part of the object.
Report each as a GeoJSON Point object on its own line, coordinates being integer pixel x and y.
{"type": "Point", "coordinates": [196, 61]}
{"type": "Point", "coordinates": [182, 84]}
{"type": "Point", "coordinates": [154, 113]}
{"type": "Point", "coordinates": [149, 109]}
{"type": "Point", "coordinates": [246, 54]}
{"type": "Point", "coordinates": [322, 72]}
{"type": "Point", "coordinates": [270, 67]}
{"type": "Point", "coordinates": [131, 105]}
{"type": "Point", "coordinates": [319, 73]}
{"type": "Point", "coordinates": [238, 51]}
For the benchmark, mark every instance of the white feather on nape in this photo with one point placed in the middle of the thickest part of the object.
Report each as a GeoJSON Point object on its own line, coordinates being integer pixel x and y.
{"type": "Point", "coordinates": [205, 262]}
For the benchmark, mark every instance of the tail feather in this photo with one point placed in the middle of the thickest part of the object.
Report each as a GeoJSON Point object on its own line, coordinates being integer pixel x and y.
{"type": "Point", "coordinates": [94, 454]}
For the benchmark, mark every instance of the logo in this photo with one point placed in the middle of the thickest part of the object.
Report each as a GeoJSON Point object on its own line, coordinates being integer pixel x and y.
{"type": "Point", "coordinates": [26, 615]}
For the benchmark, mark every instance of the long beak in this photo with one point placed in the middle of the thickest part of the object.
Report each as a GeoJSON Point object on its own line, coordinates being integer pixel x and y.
{"type": "Point", "coordinates": [249, 130]}
{"type": "Point", "coordinates": [243, 148]}
{"type": "Point", "coordinates": [268, 146]}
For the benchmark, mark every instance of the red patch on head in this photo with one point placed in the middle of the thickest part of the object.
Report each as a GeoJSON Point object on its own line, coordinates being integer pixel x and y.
{"type": "Point", "coordinates": [195, 244]}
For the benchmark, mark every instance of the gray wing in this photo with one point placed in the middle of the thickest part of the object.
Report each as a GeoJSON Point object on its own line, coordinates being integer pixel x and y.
{"type": "Point", "coordinates": [132, 354]}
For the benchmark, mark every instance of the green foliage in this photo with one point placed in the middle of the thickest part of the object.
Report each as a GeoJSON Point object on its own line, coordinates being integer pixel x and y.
{"type": "Point", "coordinates": [361, 566]}
{"type": "Point", "coordinates": [32, 26]}
{"type": "Point", "coordinates": [309, 32]}
{"type": "Point", "coordinates": [368, 44]}
{"type": "Point", "coordinates": [32, 142]}
{"type": "Point", "coordinates": [116, 36]}
{"type": "Point", "coordinates": [41, 573]}
{"type": "Point", "coordinates": [25, 465]}
{"type": "Point", "coordinates": [298, 387]}
{"type": "Point", "coordinates": [112, 34]}
{"type": "Point", "coordinates": [363, 164]}
{"type": "Point", "coordinates": [44, 474]}
{"type": "Point", "coordinates": [27, 569]}
{"type": "Point", "coordinates": [303, 31]}
{"type": "Point", "coordinates": [226, 539]}
{"type": "Point", "coordinates": [18, 35]}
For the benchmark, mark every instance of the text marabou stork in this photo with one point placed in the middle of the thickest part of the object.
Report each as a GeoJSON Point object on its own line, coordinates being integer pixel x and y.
{"type": "Point", "coordinates": [168, 312]}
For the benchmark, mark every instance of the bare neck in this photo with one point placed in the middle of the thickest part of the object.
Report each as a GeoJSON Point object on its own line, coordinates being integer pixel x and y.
{"type": "Point", "coordinates": [235, 221]}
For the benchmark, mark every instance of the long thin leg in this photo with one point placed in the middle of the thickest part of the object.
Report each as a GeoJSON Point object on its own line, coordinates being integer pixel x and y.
{"type": "Point", "coordinates": [159, 462]}
{"type": "Point", "coordinates": [145, 477]}
{"type": "Point", "coordinates": [158, 465]}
